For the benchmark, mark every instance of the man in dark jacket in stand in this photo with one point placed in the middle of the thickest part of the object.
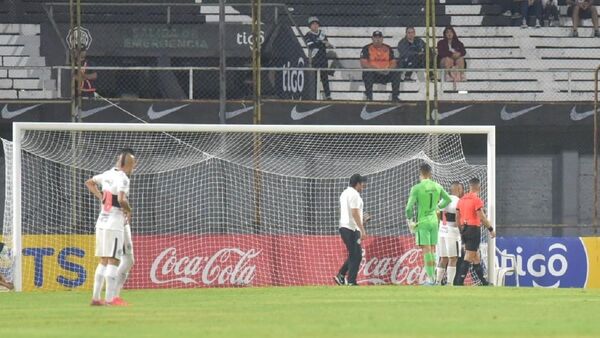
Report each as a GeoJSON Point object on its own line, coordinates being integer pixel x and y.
{"type": "Point", "coordinates": [412, 52]}
{"type": "Point", "coordinates": [317, 44]}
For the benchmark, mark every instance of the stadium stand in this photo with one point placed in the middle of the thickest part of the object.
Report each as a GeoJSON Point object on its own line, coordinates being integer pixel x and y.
{"type": "Point", "coordinates": [20, 47]}
{"type": "Point", "coordinates": [505, 62]}
{"type": "Point", "coordinates": [524, 64]}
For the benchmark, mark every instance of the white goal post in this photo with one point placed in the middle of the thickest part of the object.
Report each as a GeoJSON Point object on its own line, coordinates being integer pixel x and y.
{"type": "Point", "coordinates": [173, 132]}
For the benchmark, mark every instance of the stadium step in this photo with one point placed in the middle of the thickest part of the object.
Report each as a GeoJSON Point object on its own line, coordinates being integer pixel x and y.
{"type": "Point", "coordinates": [37, 94]}
{"type": "Point", "coordinates": [351, 11]}
{"type": "Point", "coordinates": [20, 29]}
{"type": "Point", "coordinates": [8, 94]}
{"type": "Point", "coordinates": [19, 40]}
{"type": "Point", "coordinates": [382, 21]}
{"type": "Point", "coordinates": [37, 73]}
{"type": "Point", "coordinates": [22, 61]}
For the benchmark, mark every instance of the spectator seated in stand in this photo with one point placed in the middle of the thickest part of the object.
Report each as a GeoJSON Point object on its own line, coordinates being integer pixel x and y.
{"type": "Point", "coordinates": [412, 52]}
{"type": "Point", "coordinates": [378, 55]}
{"type": "Point", "coordinates": [509, 8]}
{"type": "Point", "coordinates": [531, 5]}
{"type": "Point", "coordinates": [451, 55]}
{"type": "Point", "coordinates": [583, 9]}
{"type": "Point", "coordinates": [550, 14]}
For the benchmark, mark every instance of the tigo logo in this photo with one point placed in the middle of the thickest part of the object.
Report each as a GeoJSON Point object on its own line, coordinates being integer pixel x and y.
{"type": "Point", "coordinates": [547, 262]}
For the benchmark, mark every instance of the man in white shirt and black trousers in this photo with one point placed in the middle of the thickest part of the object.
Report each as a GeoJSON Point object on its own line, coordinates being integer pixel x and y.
{"type": "Point", "coordinates": [352, 229]}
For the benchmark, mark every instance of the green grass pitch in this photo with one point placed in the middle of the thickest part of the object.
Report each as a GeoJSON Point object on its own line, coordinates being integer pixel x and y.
{"type": "Point", "coordinates": [386, 311]}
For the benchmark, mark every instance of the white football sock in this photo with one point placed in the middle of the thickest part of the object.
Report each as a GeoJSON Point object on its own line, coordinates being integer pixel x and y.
{"type": "Point", "coordinates": [111, 282]}
{"type": "Point", "coordinates": [451, 275]}
{"type": "Point", "coordinates": [440, 274]}
{"type": "Point", "coordinates": [123, 271]}
{"type": "Point", "coordinates": [98, 282]}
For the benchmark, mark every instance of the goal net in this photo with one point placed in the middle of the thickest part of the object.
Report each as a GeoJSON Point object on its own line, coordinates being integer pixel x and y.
{"type": "Point", "coordinates": [223, 205]}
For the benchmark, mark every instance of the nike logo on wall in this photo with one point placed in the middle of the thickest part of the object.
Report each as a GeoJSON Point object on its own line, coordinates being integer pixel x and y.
{"type": "Point", "coordinates": [297, 115]}
{"type": "Point", "coordinates": [506, 115]}
{"type": "Point", "coordinates": [367, 115]}
{"type": "Point", "coordinates": [232, 114]}
{"type": "Point", "coordinates": [441, 116]}
{"type": "Point", "coordinates": [90, 112]}
{"type": "Point", "coordinates": [153, 115]}
{"type": "Point", "coordinates": [7, 114]}
{"type": "Point", "coordinates": [576, 116]}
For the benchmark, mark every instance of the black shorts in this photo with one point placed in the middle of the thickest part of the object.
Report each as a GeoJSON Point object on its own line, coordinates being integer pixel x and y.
{"type": "Point", "coordinates": [583, 14]}
{"type": "Point", "coordinates": [471, 237]}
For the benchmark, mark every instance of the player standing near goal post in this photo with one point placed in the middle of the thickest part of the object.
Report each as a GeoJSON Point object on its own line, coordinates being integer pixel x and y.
{"type": "Point", "coordinates": [471, 215]}
{"type": "Point", "coordinates": [352, 229]}
{"type": "Point", "coordinates": [110, 227]}
{"type": "Point", "coordinates": [449, 246]}
{"type": "Point", "coordinates": [426, 194]}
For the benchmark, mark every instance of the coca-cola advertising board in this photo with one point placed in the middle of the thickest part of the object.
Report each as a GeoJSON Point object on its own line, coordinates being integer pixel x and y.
{"type": "Point", "coordinates": [63, 262]}
{"type": "Point", "coordinates": [59, 262]}
{"type": "Point", "coordinates": [251, 260]}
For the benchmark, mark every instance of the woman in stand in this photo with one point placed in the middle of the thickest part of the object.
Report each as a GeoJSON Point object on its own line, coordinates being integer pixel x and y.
{"type": "Point", "coordinates": [451, 55]}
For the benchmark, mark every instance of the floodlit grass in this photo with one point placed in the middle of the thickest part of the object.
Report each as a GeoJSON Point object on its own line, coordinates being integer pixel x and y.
{"type": "Point", "coordinates": [388, 311]}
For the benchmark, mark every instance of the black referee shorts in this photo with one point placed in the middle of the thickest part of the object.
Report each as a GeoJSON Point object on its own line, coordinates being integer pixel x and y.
{"type": "Point", "coordinates": [471, 237]}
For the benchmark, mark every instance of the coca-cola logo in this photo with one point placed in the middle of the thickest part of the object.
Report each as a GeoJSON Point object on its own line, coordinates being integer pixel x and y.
{"type": "Point", "coordinates": [228, 266]}
{"type": "Point", "coordinates": [405, 269]}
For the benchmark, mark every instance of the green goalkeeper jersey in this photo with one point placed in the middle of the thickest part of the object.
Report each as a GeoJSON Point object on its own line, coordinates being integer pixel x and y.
{"type": "Point", "coordinates": [426, 195]}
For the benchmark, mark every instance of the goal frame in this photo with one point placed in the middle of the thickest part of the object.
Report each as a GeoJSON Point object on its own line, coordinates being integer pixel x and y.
{"type": "Point", "coordinates": [20, 127]}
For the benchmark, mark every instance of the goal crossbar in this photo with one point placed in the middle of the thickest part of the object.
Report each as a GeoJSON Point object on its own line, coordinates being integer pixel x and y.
{"type": "Point", "coordinates": [239, 128]}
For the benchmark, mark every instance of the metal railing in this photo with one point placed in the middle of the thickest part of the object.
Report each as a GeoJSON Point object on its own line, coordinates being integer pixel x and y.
{"type": "Point", "coordinates": [201, 83]}
{"type": "Point", "coordinates": [596, 145]}
{"type": "Point", "coordinates": [545, 83]}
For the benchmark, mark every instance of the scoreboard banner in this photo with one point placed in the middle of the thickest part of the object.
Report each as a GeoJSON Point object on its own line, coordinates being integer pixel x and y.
{"type": "Point", "coordinates": [61, 262]}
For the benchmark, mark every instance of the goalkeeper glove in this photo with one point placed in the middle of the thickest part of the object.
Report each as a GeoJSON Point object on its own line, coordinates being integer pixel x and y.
{"type": "Point", "coordinates": [412, 226]}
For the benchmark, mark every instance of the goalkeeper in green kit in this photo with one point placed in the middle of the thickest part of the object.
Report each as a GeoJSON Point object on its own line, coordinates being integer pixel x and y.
{"type": "Point", "coordinates": [426, 195]}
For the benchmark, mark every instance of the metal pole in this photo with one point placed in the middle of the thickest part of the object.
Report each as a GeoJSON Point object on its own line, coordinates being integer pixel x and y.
{"type": "Point", "coordinates": [222, 64]}
{"type": "Point", "coordinates": [77, 117]}
{"type": "Point", "coordinates": [256, 59]}
{"type": "Point", "coordinates": [435, 67]}
{"type": "Point", "coordinates": [191, 84]}
{"type": "Point", "coordinates": [72, 64]}
{"type": "Point", "coordinates": [59, 83]}
{"type": "Point", "coordinates": [427, 58]}
{"type": "Point", "coordinates": [256, 69]}
{"type": "Point", "coordinates": [596, 178]}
